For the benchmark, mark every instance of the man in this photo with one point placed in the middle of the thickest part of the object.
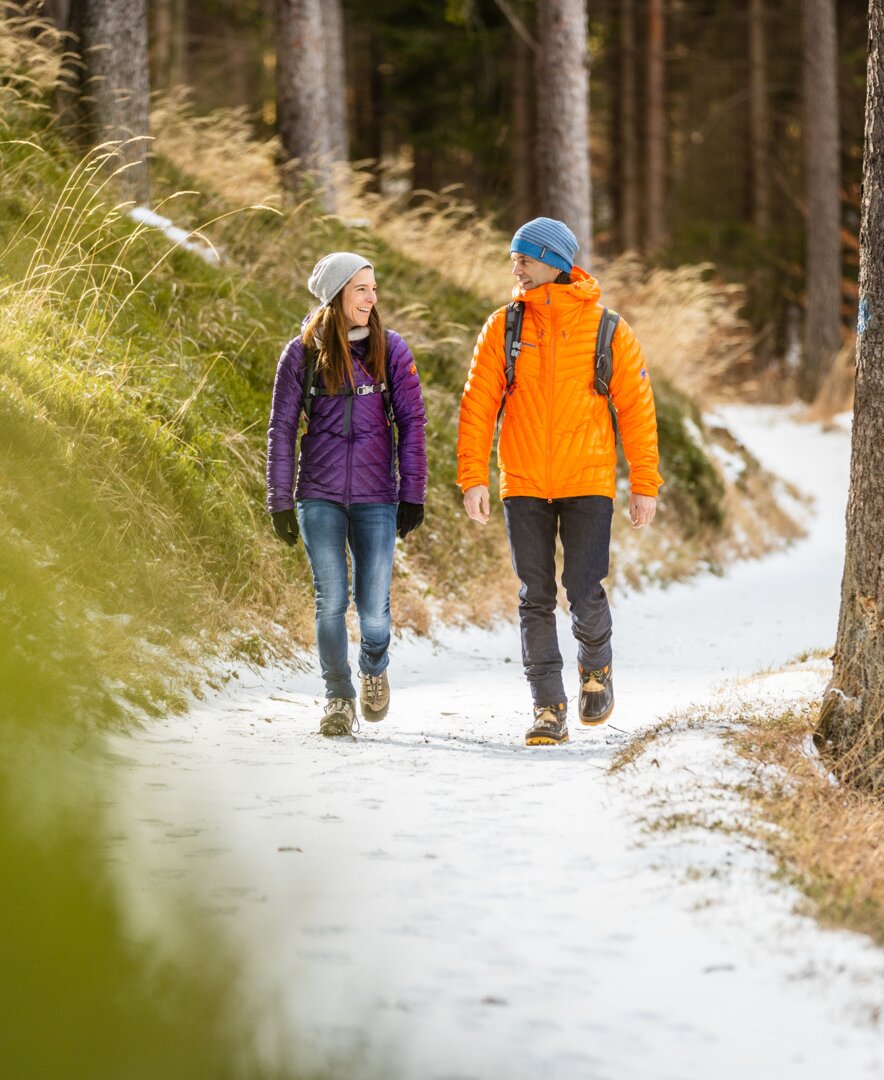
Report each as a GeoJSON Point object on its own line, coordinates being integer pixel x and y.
{"type": "Point", "coordinates": [557, 459]}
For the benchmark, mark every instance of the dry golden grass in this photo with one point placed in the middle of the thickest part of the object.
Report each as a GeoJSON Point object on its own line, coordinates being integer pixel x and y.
{"type": "Point", "coordinates": [857, 760]}
{"type": "Point", "coordinates": [31, 54]}
{"type": "Point", "coordinates": [836, 393]}
{"type": "Point", "coordinates": [756, 525]}
{"type": "Point", "coordinates": [828, 837]}
{"type": "Point", "coordinates": [686, 319]}
{"type": "Point", "coordinates": [438, 229]}
{"type": "Point", "coordinates": [220, 149]}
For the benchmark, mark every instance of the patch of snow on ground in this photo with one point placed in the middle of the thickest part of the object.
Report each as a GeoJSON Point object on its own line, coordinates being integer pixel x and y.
{"type": "Point", "coordinates": [180, 237]}
{"type": "Point", "coordinates": [434, 900]}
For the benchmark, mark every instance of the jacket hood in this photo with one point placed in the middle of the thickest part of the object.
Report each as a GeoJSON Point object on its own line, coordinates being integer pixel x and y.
{"type": "Point", "coordinates": [583, 287]}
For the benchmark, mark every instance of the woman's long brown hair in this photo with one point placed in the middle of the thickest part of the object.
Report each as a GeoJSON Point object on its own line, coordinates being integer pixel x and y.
{"type": "Point", "coordinates": [327, 333]}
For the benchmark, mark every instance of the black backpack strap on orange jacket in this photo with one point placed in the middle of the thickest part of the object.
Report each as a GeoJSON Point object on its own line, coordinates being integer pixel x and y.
{"type": "Point", "coordinates": [604, 352]}
{"type": "Point", "coordinates": [603, 362]}
{"type": "Point", "coordinates": [512, 346]}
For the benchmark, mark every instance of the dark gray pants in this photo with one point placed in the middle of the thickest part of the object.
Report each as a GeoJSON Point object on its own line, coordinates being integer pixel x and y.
{"type": "Point", "coordinates": [584, 524]}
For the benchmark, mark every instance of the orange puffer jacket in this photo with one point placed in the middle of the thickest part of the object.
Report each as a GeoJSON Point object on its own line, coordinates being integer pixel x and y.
{"type": "Point", "coordinates": [557, 439]}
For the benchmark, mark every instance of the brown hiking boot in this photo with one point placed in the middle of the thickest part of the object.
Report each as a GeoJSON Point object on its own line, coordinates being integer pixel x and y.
{"type": "Point", "coordinates": [596, 696]}
{"type": "Point", "coordinates": [374, 696]}
{"type": "Point", "coordinates": [339, 718]}
{"type": "Point", "coordinates": [550, 727]}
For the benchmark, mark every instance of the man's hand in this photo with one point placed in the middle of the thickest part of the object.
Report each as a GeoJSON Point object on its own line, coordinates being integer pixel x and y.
{"type": "Point", "coordinates": [641, 509]}
{"type": "Point", "coordinates": [477, 503]}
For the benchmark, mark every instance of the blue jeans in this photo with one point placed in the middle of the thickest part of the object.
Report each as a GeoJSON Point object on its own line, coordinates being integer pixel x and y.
{"type": "Point", "coordinates": [369, 530]}
{"type": "Point", "coordinates": [584, 524]}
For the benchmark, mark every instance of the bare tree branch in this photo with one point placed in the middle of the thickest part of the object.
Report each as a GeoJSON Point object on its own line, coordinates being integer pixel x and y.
{"type": "Point", "coordinates": [516, 23]}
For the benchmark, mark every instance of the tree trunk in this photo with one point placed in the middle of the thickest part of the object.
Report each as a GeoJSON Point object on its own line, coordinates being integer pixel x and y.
{"type": "Point", "coordinates": [822, 320]}
{"type": "Point", "coordinates": [563, 117]}
{"type": "Point", "coordinates": [336, 79]}
{"type": "Point", "coordinates": [523, 140]}
{"type": "Point", "coordinates": [302, 94]}
{"type": "Point", "coordinates": [57, 11]}
{"type": "Point", "coordinates": [762, 273]}
{"type": "Point", "coordinates": [368, 116]}
{"type": "Point", "coordinates": [423, 173]}
{"type": "Point", "coordinates": [108, 91]}
{"type": "Point", "coordinates": [627, 140]}
{"type": "Point", "coordinates": [852, 717]}
{"type": "Point", "coordinates": [655, 225]}
{"type": "Point", "coordinates": [267, 45]}
{"type": "Point", "coordinates": [168, 43]}
{"type": "Point", "coordinates": [759, 121]}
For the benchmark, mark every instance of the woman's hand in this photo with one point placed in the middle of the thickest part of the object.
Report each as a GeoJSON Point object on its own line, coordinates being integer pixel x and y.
{"type": "Point", "coordinates": [409, 517]}
{"type": "Point", "coordinates": [285, 525]}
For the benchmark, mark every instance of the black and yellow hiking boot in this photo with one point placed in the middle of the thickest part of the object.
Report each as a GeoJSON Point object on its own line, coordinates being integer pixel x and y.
{"type": "Point", "coordinates": [550, 727]}
{"type": "Point", "coordinates": [596, 696]}
{"type": "Point", "coordinates": [339, 718]}
{"type": "Point", "coordinates": [374, 696]}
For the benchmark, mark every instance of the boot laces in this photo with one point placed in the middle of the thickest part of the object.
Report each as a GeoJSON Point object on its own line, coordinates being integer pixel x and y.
{"type": "Point", "coordinates": [342, 706]}
{"type": "Point", "coordinates": [374, 688]}
{"type": "Point", "coordinates": [338, 705]}
{"type": "Point", "coordinates": [547, 716]}
{"type": "Point", "coordinates": [600, 676]}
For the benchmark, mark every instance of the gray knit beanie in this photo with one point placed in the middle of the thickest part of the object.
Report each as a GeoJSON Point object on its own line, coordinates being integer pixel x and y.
{"type": "Point", "coordinates": [333, 272]}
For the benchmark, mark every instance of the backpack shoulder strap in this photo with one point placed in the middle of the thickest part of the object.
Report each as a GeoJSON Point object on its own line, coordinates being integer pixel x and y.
{"type": "Point", "coordinates": [309, 380]}
{"type": "Point", "coordinates": [387, 398]}
{"type": "Point", "coordinates": [387, 392]}
{"type": "Point", "coordinates": [512, 345]}
{"type": "Point", "coordinates": [604, 353]}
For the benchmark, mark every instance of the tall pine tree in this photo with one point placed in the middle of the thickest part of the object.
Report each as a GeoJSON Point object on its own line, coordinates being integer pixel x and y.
{"type": "Point", "coordinates": [563, 117]}
{"type": "Point", "coordinates": [107, 90]}
{"type": "Point", "coordinates": [852, 717]}
{"type": "Point", "coordinates": [822, 320]}
{"type": "Point", "coordinates": [302, 93]}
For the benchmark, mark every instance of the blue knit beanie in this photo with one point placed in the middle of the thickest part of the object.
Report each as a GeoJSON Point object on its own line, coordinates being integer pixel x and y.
{"type": "Point", "coordinates": [547, 240]}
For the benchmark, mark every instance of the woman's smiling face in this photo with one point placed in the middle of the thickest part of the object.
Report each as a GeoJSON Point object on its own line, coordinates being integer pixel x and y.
{"type": "Point", "coordinates": [359, 297]}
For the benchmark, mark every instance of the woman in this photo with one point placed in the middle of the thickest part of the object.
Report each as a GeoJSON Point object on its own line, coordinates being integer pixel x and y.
{"type": "Point", "coordinates": [359, 388]}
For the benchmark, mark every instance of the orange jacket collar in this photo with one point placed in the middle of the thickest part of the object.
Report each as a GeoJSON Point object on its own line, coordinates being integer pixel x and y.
{"type": "Point", "coordinates": [583, 287]}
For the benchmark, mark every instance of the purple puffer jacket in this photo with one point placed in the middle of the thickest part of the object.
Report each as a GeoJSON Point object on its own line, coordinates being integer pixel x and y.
{"type": "Point", "coordinates": [354, 468]}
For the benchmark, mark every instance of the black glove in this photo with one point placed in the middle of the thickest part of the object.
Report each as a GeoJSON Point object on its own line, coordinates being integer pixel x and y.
{"type": "Point", "coordinates": [409, 516]}
{"type": "Point", "coordinates": [285, 525]}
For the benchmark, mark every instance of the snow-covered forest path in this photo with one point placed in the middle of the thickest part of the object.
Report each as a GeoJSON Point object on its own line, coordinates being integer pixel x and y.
{"type": "Point", "coordinates": [433, 900]}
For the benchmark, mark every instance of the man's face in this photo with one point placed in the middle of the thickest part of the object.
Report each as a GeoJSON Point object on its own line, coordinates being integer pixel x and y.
{"type": "Point", "coordinates": [530, 272]}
